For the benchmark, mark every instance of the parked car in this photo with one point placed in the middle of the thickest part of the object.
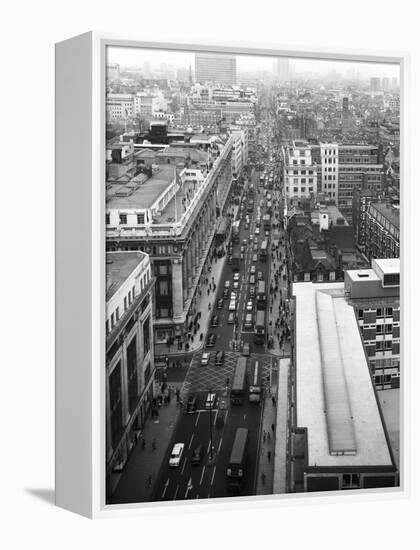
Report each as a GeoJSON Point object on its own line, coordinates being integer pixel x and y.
{"type": "Point", "coordinates": [231, 318]}
{"type": "Point", "coordinates": [205, 358]}
{"type": "Point", "coordinates": [227, 284]}
{"type": "Point", "coordinates": [232, 305]}
{"type": "Point", "coordinates": [249, 306]}
{"type": "Point", "coordinates": [245, 349]}
{"type": "Point", "coordinates": [260, 275]}
{"type": "Point", "coordinates": [211, 340]}
{"type": "Point", "coordinates": [225, 293]}
{"type": "Point", "coordinates": [252, 279]}
{"type": "Point", "coordinates": [176, 454]}
{"type": "Point", "coordinates": [255, 247]}
{"type": "Point", "coordinates": [220, 303]}
{"type": "Point", "coordinates": [215, 321]}
{"type": "Point", "coordinates": [236, 277]}
{"type": "Point", "coordinates": [257, 230]}
{"type": "Point", "coordinates": [253, 269]}
{"type": "Point", "coordinates": [236, 285]}
{"type": "Point", "coordinates": [230, 259]}
{"type": "Point", "coordinates": [252, 292]}
{"type": "Point", "coordinates": [197, 455]}
{"type": "Point", "coordinates": [255, 258]}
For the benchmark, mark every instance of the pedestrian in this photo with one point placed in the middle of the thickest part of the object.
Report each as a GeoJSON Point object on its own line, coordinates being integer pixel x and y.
{"type": "Point", "coordinates": [150, 480]}
{"type": "Point", "coordinates": [269, 456]}
{"type": "Point", "coordinates": [143, 442]}
{"type": "Point", "coordinates": [272, 427]}
{"type": "Point", "coordinates": [264, 436]}
{"type": "Point", "coordinates": [263, 478]}
{"type": "Point", "coordinates": [273, 400]}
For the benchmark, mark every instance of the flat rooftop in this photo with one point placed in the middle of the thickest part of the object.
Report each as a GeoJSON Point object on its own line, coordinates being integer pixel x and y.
{"type": "Point", "coordinates": [335, 396]}
{"type": "Point", "coordinates": [391, 214]}
{"type": "Point", "coordinates": [388, 265]}
{"type": "Point", "coordinates": [147, 194]}
{"type": "Point", "coordinates": [119, 266]}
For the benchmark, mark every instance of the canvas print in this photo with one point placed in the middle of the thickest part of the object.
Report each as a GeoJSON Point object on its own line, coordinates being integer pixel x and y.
{"type": "Point", "coordinates": [252, 275]}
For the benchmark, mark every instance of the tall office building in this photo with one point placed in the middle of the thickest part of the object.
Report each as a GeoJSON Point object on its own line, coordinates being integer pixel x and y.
{"type": "Point", "coordinates": [345, 107]}
{"type": "Point", "coordinates": [220, 69]}
{"type": "Point", "coordinates": [283, 69]}
{"type": "Point", "coordinates": [375, 84]}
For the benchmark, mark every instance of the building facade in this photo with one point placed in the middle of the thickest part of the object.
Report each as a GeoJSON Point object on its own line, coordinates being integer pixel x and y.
{"type": "Point", "coordinates": [300, 172]}
{"type": "Point", "coordinates": [220, 69]}
{"type": "Point", "coordinates": [375, 295]}
{"type": "Point", "coordinates": [383, 230]}
{"type": "Point", "coordinates": [172, 215]}
{"type": "Point", "coordinates": [129, 353]}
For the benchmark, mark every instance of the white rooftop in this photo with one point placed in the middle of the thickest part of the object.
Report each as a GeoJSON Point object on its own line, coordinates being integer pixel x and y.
{"type": "Point", "coordinates": [388, 265]}
{"type": "Point", "coordinates": [335, 396]}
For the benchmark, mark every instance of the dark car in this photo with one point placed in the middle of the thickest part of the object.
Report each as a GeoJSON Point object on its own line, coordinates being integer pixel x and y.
{"type": "Point", "coordinates": [215, 321]}
{"type": "Point", "coordinates": [220, 358]}
{"type": "Point", "coordinates": [220, 303]}
{"type": "Point", "coordinates": [197, 455]}
{"type": "Point", "coordinates": [191, 404]}
{"type": "Point", "coordinates": [211, 340]}
{"type": "Point", "coordinates": [226, 293]}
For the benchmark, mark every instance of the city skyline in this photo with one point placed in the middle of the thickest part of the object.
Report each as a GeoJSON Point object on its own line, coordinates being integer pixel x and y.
{"type": "Point", "coordinates": [136, 57]}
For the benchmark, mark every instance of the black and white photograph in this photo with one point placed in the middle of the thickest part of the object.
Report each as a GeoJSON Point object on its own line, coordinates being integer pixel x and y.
{"type": "Point", "coordinates": [252, 227]}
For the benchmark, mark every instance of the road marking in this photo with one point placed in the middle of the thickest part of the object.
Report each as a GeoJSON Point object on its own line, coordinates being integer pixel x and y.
{"type": "Point", "coordinates": [212, 477]}
{"type": "Point", "coordinates": [220, 444]}
{"type": "Point", "coordinates": [189, 487]}
{"type": "Point", "coordinates": [198, 416]}
{"type": "Point", "coordinates": [208, 447]}
{"type": "Point", "coordinates": [164, 490]}
{"type": "Point", "coordinates": [202, 475]}
{"type": "Point", "coordinates": [192, 437]}
{"type": "Point", "coordinates": [215, 417]}
{"type": "Point", "coordinates": [183, 466]}
{"type": "Point", "coordinates": [176, 491]}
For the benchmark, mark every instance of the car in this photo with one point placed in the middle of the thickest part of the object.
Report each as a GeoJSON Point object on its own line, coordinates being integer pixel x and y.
{"type": "Point", "coordinates": [248, 320]}
{"type": "Point", "coordinates": [267, 233]}
{"type": "Point", "coordinates": [205, 358]}
{"type": "Point", "coordinates": [227, 284]}
{"type": "Point", "coordinates": [252, 279]}
{"type": "Point", "coordinates": [197, 455]}
{"type": "Point", "coordinates": [257, 230]}
{"type": "Point", "coordinates": [246, 225]}
{"type": "Point", "coordinates": [230, 259]}
{"type": "Point", "coordinates": [211, 340]}
{"type": "Point", "coordinates": [215, 320]}
{"type": "Point", "coordinates": [236, 277]}
{"type": "Point", "coordinates": [260, 276]}
{"type": "Point", "coordinates": [255, 247]}
{"type": "Point", "coordinates": [249, 306]}
{"type": "Point", "coordinates": [191, 404]}
{"type": "Point", "coordinates": [252, 292]}
{"type": "Point", "coordinates": [236, 285]}
{"type": "Point", "coordinates": [211, 400]}
{"type": "Point", "coordinates": [232, 305]}
{"type": "Point", "coordinates": [226, 293]}
{"type": "Point", "coordinates": [176, 454]}
{"type": "Point", "coordinates": [220, 303]}
{"type": "Point", "coordinates": [244, 243]}
{"type": "Point", "coordinates": [253, 269]}
{"type": "Point", "coordinates": [242, 249]}
{"type": "Point", "coordinates": [245, 349]}
{"type": "Point", "coordinates": [255, 258]}
{"type": "Point", "coordinates": [231, 318]}
{"type": "Point", "coordinates": [220, 358]}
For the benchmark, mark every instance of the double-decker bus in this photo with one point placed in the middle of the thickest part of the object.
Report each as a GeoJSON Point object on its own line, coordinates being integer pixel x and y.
{"type": "Point", "coordinates": [236, 469]}
{"type": "Point", "coordinates": [261, 295]}
{"type": "Point", "coordinates": [267, 222]}
{"type": "Point", "coordinates": [237, 391]}
{"type": "Point", "coordinates": [236, 258]}
{"type": "Point", "coordinates": [259, 330]}
{"type": "Point", "coordinates": [269, 207]}
{"type": "Point", "coordinates": [235, 232]}
{"type": "Point", "coordinates": [255, 385]}
{"type": "Point", "coordinates": [264, 251]}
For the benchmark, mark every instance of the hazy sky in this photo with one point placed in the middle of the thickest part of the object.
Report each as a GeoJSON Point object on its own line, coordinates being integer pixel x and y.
{"type": "Point", "coordinates": [137, 56]}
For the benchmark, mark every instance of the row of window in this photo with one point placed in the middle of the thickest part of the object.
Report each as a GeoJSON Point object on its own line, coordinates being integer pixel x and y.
{"type": "Point", "coordinates": [380, 312]}
{"type": "Point", "coordinates": [302, 190]}
{"type": "Point", "coordinates": [302, 180]}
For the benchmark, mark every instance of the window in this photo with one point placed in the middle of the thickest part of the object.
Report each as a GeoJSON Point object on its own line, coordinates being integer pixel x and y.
{"type": "Point", "coordinates": [295, 189]}
{"type": "Point", "coordinates": [132, 374]}
{"type": "Point", "coordinates": [129, 296]}
{"type": "Point", "coordinates": [140, 218]}
{"type": "Point", "coordinates": [388, 312]}
{"type": "Point", "coordinates": [112, 321]}
{"type": "Point", "coordinates": [360, 313]}
{"type": "Point", "coordinates": [163, 288]}
{"type": "Point", "coordinates": [107, 219]}
{"type": "Point", "coordinates": [133, 290]}
{"type": "Point", "coordinates": [388, 345]}
{"type": "Point", "coordinates": [380, 345]}
{"type": "Point", "coordinates": [388, 328]}
{"type": "Point", "coordinates": [332, 275]}
{"type": "Point", "coordinates": [379, 312]}
{"type": "Point", "coordinates": [123, 219]}
{"type": "Point", "coordinates": [351, 481]}
{"type": "Point", "coordinates": [117, 313]}
{"type": "Point", "coordinates": [107, 326]}
{"type": "Point", "coordinates": [380, 329]}
{"type": "Point", "coordinates": [396, 332]}
{"type": "Point", "coordinates": [125, 303]}
{"type": "Point", "coordinates": [311, 180]}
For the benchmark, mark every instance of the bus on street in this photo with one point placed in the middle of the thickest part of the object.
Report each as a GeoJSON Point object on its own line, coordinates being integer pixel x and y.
{"type": "Point", "coordinates": [236, 258]}
{"type": "Point", "coordinates": [236, 469]}
{"type": "Point", "coordinates": [264, 251]}
{"type": "Point", "coordinates": [255, 385]}
{"type": "Point", "coordinates": [261, 295]}
{"type": "Point", "coordinates": [259, 330]}
{"type": "Point", "coordinates": [267, 222]}
{"type": "Point", "coordinates": [237, 391]}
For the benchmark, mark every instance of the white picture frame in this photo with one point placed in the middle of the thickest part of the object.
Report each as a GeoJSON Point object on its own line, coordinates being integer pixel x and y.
{"type": "Point", "coordinates": [80, 267]}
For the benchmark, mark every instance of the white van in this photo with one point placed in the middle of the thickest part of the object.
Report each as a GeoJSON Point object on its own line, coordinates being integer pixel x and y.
{"type": "Point", "coordinates": [176, 454]}
{"type": "Point", "coordinates": [210, 400]}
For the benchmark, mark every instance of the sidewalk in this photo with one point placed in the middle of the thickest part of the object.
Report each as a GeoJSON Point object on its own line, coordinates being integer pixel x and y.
{"type": "Point", "coordinates": [133, 485]}
{"type": "Point", "coordinates": [265, 476]}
